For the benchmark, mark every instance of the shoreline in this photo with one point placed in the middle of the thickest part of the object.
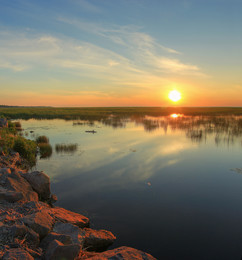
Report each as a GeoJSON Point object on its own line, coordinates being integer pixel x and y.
{"type": "Point", "coordinates": [31, 227]}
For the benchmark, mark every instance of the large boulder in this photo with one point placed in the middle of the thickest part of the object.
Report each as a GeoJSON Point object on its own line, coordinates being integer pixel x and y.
{"type": "Point", "coordinates": [40, 183]}
{"type": "Point", "coordinates": [68, 229]}
{"type": "Point", "coordinates": [123, 253]}
{"type": "Point", "coordinates": [66, 216]}
{"type": "Point", "coordinates": [97, 240]}
{"type": "Point", "coordinates": [64, 239]}
{"type": "Point", "coordinates": [11, 180]}
{"type": "Point", "coordinates": [57, 250]}
{"type": "Point", "coordinates": [41, 222]}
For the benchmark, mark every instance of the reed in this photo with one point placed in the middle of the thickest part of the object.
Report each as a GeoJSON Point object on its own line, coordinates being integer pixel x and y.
{"type": "Point", "coordinates": [42, 139]}
{"type": "Point", "coordinates": [65, 148]}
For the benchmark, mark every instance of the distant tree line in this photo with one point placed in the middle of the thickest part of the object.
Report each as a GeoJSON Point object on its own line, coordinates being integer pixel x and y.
{"type": "Point", "coordinates": [6, 106]}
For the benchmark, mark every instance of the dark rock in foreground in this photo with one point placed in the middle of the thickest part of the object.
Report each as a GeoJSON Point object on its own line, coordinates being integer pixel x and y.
{"type": "Point", "coordinates": [97, 240]}
{"type": "Point", "coordinates": [124, 253]}
{"type": "Point", "coordinates": [18, 254]}
{"type": "Point", "coordinates": [67, 216]}
{"type": "Point", "coordinates": [41, 222]}
{"type": "Point", "coordinates": [40, 183]}
{"type": "Point", "coordinates": [11, 181]}
{"type": "Point", "coordinates": [57, 250]}
{"type": "Point", "coordinates": [34, 229]}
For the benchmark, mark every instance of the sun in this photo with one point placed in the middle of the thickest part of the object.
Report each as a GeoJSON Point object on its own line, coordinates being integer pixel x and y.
{"type": "Point", "coordinates": [174, 95]}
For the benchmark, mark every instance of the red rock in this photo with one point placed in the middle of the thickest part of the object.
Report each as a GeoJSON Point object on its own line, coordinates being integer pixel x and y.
{"type": "Point", "coordinates": [17, 254]}
{"type": "Point", "coordinates": [64, 239]}
{"type": "Point", "coordinates": [67, 216]}
{"type": "Point", "coordinates": [12, 180]}
{"type": "Point", "coordinates": [96, 240]}
{"type": "Point", "coordinates": [123, 253]}
{"type": "Point", "coordinates": [41, 222]}
{"type": "Point", "coordinates": [68, 229]}
{"type": "Point", "coordinates": [40, 183]}
{"type": "Point", "coordinates": [56, 251]}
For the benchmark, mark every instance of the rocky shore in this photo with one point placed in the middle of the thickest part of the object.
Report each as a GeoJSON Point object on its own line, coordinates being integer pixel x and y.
{"type": "Point", "coordinates": [32, 228]}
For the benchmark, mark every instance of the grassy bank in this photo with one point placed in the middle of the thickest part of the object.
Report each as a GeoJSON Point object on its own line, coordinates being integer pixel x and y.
{"type": "Point", "coordinates": [11, 141]}
{"type": "Point", "coordinates": [98, 113]}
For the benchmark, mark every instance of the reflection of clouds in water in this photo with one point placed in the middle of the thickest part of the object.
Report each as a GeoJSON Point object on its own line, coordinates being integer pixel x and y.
{"type": "Point", "coordinates": [107, 159]}
{"type": "Point", "coordinates": [111, 179]}
{"type": "Point", "coordinates": [113, 150]}
{"type": "Point", "coordinates": [176, 147]}
{"type": "Point", "coordinates": [123, 166]}
{"type": "Point", "coordinates": [238, 170]}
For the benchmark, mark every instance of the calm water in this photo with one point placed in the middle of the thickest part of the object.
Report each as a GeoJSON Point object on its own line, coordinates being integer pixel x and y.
{"type": "Point", "coordinates": [169, 186]}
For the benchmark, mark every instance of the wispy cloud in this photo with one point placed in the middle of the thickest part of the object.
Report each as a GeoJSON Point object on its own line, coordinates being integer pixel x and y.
{"type": "Point", "coordinates": [133, 59]}
{"type": "Point", "coordinates": [12, 66]}
{"type": "Point", "coordinates": [139, 47]}
{"type": "Point", "coordinates": [88, 6]}
{"type": "Point", "coordinates": [128, 36]}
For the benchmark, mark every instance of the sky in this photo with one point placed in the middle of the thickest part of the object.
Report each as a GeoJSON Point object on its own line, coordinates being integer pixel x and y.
{"type": "Point", "coordinates": [120, 52]}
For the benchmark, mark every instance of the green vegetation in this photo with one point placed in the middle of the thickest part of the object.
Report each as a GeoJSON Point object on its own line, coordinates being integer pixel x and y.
{"type": "Point", "coordinates": [99, 113]}
{"type": "Point", "coordinates": [42, 139]}
{"type": "Point", "coordinates": [10, 141]}
{"type": "Point", "coordinates": [26, 148]}
{"type": "Point", "coordinates": [7, 139]}
{"type": "Point", "coordinates": [14, 126]}
{"type": "Point", "coordinates": [18, 125]}
{"type": "Point", "coordinates": [65, 148]}
{"type": "Point", "coordinates": [45, 150]}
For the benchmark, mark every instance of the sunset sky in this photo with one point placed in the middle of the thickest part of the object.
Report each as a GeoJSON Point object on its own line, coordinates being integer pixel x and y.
{"type": "Point", "coordinates": [120, 52]}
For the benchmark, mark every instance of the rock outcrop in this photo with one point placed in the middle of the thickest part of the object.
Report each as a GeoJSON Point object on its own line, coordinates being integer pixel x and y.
{"type": "Point", "coordinates": [40, 183]}
{"type": "Point", "coordinates": [57, 250]}
{"type": "Point", "coordinates": [124, 253]}
{"type": "Point", "coordinates": [41, 222]}
{"type": "Point", "coordinates": [66, 216]}
{"type": "Point", "coordinates": [97, 240]}
{"type": "Point", "coordinates": [14, 187]}
{"type": "Point", "coordinates": [35, 229]}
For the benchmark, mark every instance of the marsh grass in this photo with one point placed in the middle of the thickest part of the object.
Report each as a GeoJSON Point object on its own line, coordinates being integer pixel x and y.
{"type": "Point", "coordinates": [99, 113]}
{"type": "Point", "coordinates": [42, 139]}
{"type": "Point", "coordinates": [10, 141]}
{"type": "Point", "coordinates": [18, 126]}
{"type": "Point", "coordinates": [26, 148]}
{"type": "Point", "coordinates": [45, 150]}
{"type": "Point", "coordinates": [68, 148]}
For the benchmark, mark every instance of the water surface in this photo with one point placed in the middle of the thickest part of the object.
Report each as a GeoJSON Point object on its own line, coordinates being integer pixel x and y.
{"type": "Point", "coordinates": [170, 186]}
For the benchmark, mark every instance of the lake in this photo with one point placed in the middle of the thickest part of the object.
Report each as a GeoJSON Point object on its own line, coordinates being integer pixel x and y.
{"type": "Point", "coordinates": [170, 186]}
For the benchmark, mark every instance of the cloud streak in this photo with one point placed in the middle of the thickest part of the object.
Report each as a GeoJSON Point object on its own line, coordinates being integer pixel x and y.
{"type": "Point", "coordinates": [134, 59]}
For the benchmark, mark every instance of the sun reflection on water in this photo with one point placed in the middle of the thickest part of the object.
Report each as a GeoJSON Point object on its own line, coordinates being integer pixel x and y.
{"type": "Point", "coordinates": [176, 115]}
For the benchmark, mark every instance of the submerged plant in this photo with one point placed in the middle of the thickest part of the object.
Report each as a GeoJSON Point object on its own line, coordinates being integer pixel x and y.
{"type": "Point", "coordinates": [45, 150]}
{"type": "Point", "coordinates": [18, 125]}
{"type": "Point", "coordinates": [42, 139]}
{"type": "Point", "coordinates": [65, 148]}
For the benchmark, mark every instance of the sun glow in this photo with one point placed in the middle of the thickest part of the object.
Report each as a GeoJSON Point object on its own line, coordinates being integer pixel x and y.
{"type": "Point", "coordinates": [174, 95]}
{"type": "Point", "coordinates": [176, 115]}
